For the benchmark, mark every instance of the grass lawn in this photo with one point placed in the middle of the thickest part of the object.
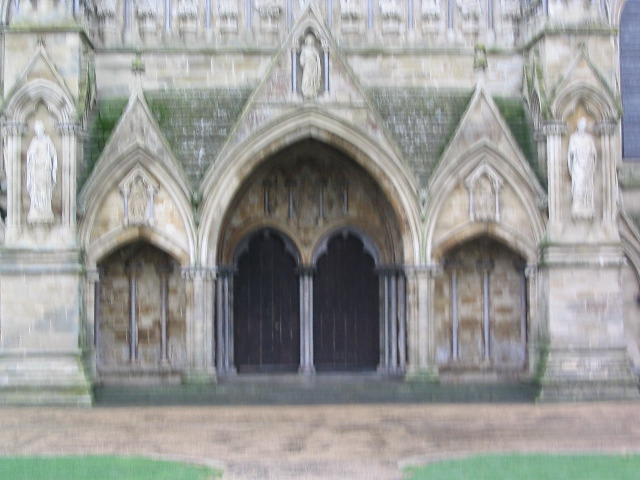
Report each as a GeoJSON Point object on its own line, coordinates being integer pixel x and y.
{"type": "Point", "coordinates": [531, 467]}
{"type": "Point", "coordinates": [101, 468]}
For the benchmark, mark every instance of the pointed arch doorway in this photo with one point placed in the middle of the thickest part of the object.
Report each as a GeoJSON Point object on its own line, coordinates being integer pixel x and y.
{"type": "Point", "coordinates": [343, 296]}
{"type": "Point", "coordinates": [266, 326]}
{"type": "Point", "coordinates": [346, 313]}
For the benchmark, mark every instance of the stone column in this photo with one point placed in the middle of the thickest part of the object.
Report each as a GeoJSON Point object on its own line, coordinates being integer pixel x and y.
{"type": "Point", "coordinates": [200, 320]}
{"type": "Point", "coordinates": [13, 132]}
{"type": "Point", "coordinates": [606, 130]}
{"type": "Point", "coordinates": [68, 133]}
{"type": "Point", "coordinates": [133, 270]}
{"type": "Point", "coordinates": [556, 164]}
{"type": "Point", "coordinates": [90, 334]}
{"type": "Point", "coordinates": [420, 286]}
{"type": "Point", "coordinates": [224, 321]}
{"type": "Point", "coordinates": [306, 320]}
{"type": "Point", "coordinates": [392, 321]}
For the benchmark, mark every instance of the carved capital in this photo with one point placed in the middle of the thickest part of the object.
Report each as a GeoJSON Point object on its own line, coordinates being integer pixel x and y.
{"type": "Point", "coordinates": [68, 129]}
{"type": "Point", "coordinates": [606, 127]}
{"type": "Point", "coordinates": [198, 273]}
{"type": "Point", "coordinates": [554, 128]}
{"type": "Point", "coordinates": [13, 128]}
{"type": "Point", "coordinates": [93, 275]}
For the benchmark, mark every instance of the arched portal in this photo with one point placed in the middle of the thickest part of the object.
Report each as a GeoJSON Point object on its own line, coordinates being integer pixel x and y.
{"type": "Point", "coordinates": [266, 305]}
{"type": "Point", "coordinates": [346, 307]}
{"type": "Point", "coordinates": [481, 308]}
{"type": "Point", "coordinates": [140, 324]}
{"type": "Point", "coordinates": [326, 208]}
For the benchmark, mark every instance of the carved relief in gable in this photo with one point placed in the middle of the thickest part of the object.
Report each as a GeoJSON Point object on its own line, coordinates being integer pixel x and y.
{"type": "Point", "coordinates": [484, 186]}
{"type": "Point", "coordinates": [138, 192]}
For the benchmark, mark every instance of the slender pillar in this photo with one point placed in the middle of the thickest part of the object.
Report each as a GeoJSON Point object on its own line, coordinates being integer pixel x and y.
{"type": "Point", "coordinates": [384, 322]}
{"type": "Point", "coordinates": [91, 341]}
{"type": "Point", "coordinates": [485, 268]}
{"type": "Point", "coordinates": [134, 271]}
{"type": "Point", "coordinates": [294, 70]}
{"type": "Point", "coordinates": [454, 315]}
{"type": "Point", "coordinates": [393, 322]}
{"type": "Point", "coordinates": [68, 133]}
{"type": "Point", "coordinates": [326, 68]}
{"type": "Point", "coordinates": [369, 15]}
{"type": "Point", "coordinates": [13, 132]}
{"type": "Point", "coordinates": [606, 130]}
{"type": "Point", "coordinates": [224, 314]}
{"type": "Point", "coordinates": [555, 167]}
{"type": "Point", "coordinates": [402, 323]}
{"type": "Point", "coordinates": [200, 318]}
{"type": "Point", "coordinates": [306, 320]}
{"type": "Point", "coordinates": [164, 271]}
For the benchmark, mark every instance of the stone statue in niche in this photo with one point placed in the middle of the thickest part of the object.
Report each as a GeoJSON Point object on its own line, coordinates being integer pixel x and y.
{"type": "Point", "coordinates": [42, 167]}
{"type": "Point", "coordinates": [311, 70]}
{"type": "Point", "coordinates": [581, 160]}
{"type": "Point", "coordinates": [138, 191]}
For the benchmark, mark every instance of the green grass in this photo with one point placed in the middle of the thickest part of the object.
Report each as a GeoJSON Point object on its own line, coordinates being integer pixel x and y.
{"type": "Point", "coordinates": [101, 468]}
{"type": "Point", "coordinates": [531, 467]}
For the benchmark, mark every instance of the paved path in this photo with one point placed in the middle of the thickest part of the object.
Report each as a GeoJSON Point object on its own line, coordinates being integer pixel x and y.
{"type": "Point", "coordinates": [320, 442]}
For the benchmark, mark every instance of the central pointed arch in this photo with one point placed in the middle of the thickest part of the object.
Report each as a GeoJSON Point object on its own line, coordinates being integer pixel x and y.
{"type": "Point", "coordinates": [239, 160]}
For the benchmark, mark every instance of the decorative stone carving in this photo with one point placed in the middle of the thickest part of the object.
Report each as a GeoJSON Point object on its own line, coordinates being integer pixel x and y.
{"type": "Point", "coordinates": [146, 13]}
{"type": "Point", "coordinates": [138, 191]}
{"type": "Point", "coordinates": [42, 167]}
{"type": "Point", "coordinates": [228, 12]}
{"type": "Point", "coordinates": [391, 15]}
{"type": "Point", "coordinates": [311, 68]}
{"type": "Point", "coordinates": [269, 11]}
{"type": "Point", "coordinates": [581, 160]}
{"type": "Point", "coordinates": [484, 186]}
{"type": "Point", "coordinates": [350, 14]}
{"type": "Point", "coordinates": [470, 11]}
{"type": "Point", "coordinates": [431, 10]}
{"type": "Point", "coordinates": [187, 13]}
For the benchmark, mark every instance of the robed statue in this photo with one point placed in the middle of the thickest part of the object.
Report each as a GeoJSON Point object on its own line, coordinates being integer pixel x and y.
{"type": "Point", "coordinates": [582, 163]}
{"type": "Point", "coordinates": [42, 166]}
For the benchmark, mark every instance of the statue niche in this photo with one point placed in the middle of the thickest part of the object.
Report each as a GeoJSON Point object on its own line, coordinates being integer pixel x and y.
{"type": "Point", "coordinates": [138, 192]}
{"type": "Point", "coordinates": [581, 161]}
{"type": "Point", "coordinates": [42, 168]}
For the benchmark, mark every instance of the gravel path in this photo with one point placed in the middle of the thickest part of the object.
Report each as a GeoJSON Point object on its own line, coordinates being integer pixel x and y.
{"type": "Point", "coordinates": [320, 442]}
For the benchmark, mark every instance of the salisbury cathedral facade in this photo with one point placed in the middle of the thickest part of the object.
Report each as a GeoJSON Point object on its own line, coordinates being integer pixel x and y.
{"type": "Point", "coordinates": [442, 190]}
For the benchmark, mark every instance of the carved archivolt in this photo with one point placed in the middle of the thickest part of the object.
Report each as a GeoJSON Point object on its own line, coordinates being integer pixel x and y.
{"type": "Point", "coordinates": [484, 186]}
{"type": "Point", "coordinates": [138, 192]}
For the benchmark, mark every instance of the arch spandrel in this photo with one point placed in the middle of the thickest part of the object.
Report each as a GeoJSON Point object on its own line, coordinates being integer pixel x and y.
{"type": "Point", "coordinates": [307, 190]}
{"type": "Point", "coordinates": [165, 219]}
{"type": "Point", "coordinates": [388, 172]}
{"type": "Point", "coordinates": [516, 221]}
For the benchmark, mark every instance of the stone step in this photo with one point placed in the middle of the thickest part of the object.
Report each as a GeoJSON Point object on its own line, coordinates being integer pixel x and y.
{"type": "Point", "coordinates": [278, 391]}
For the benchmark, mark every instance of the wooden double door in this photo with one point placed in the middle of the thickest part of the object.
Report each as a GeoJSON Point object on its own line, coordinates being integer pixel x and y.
{"type": "Point", "coordinates": [267, 318]}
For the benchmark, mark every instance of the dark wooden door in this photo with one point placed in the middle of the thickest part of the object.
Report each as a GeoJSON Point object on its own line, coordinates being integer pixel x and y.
{"type": "Point", "coordinates": [266, 299]}
{"type": "Point", "coordinates": [346, 323]}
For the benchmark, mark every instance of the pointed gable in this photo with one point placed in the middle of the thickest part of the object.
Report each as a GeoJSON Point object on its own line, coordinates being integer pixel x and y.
{"type": "Point", "coordinates": [40, 81]}
{"type": "Point", "coordinates": [280, 93]}
{"type": "Point", "coordinates": [584, 82]}
{"type": "Point", "coordinates": [136, 132]}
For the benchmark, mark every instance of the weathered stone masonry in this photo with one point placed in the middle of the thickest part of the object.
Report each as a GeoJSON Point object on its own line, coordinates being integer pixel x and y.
{"type": "Point", "coordinates": [424, 188]}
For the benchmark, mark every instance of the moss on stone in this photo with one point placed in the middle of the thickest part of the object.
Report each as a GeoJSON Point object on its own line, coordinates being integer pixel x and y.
{"type": "Point", "coordinates": [196, 123]}
{"type": "Point", "coordinates": [101, 124]}
{"type": "Point", "coordinates": [421, 121]}
{"type": "Point", "coordinates": [515, 115]}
